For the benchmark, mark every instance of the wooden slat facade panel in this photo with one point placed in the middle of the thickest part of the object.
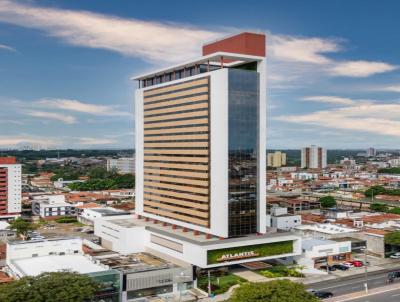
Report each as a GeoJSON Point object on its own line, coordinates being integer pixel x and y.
{"type": "Point", "coordinates": [176, 151]}
{"type": "Point", "coordinates": [200, 106]}
{"type": "Point", "coordinates": [176, 94]}
{"type": "Point", "coordinates": [169, 113]}
{"type": "Point", "coordinates": [169, 88]}
{"type": "Point", "coordinates": [196, 213]}
{"type": "Point", "coordinates": [178, 195]}
{"type": "Point", "coordinates": [177, 166]}
{"type": "Point", "coordinates": [177, 173]}
{"type": "Point", "coordinates": [176, 130]}
{"type": "Point", "coordinates": [193, 204]}
{"type": "Point", "coordinates": [176, 187]}
{"type": "Point", "coordinates": [188, 159]}
{"type": "Point", "coordinates": [202, 222]}
{"type": "Point", "coordinates": [195, 182]}
{"type": "Point", "coordinates": [176, 137]}
{"type": "Point", "coordinates": [180, 101]}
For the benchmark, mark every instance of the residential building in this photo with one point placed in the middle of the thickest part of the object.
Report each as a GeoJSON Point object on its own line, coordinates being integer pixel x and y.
{"type": "Point", "coordinates": [124, 165]}
{"type": "Point", "coordinates": [371, 152]}
{"type": "Point", "coordinates": [51, 206]}
{"type": "Point", "coordinates": [201, 161]}
{"type": "Point", "coordinates": [276, 159]}
{"type": "Point", "coordinates": [10, 187]}
{"type": "Point", "coordinates": [313, 157]}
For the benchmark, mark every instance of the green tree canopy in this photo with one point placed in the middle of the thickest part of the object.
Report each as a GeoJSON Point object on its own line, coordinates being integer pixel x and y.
{"type": "Point", "coordinates": [21, 227]}
{"type": "Point", "coordinates": [50, 287]}
{"type": "Point", "coordinates": [375, 190]}
{"type": "Point", "coordinates": [393, 238]}
{"type": "Point", "coordinates": [327, 202]}
{"type": "Point", "coordinates": [273, 291]}
{"type": "Point", "coordinates": [378, 207]}
{"type": "Point", "coordinates": [394, 210]}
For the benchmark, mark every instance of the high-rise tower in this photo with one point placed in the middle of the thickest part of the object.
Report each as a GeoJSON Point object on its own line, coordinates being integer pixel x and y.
{"type": "Point", "coordinates": [200, 140]}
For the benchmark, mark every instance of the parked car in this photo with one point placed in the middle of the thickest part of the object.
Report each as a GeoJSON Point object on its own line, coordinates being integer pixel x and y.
{"type": "Point", "coordinates": [357, 263]}
{"type": "Point", "coordinates": [327, 267]}
{"type": "Point", "coordinates": [340, 267]}
{"type": "Point", "coordinates": [395, 255]}
{"type": "Point", "coordinates": [323, 294]}
{"type": "Point", "coordinates": [348, 264]}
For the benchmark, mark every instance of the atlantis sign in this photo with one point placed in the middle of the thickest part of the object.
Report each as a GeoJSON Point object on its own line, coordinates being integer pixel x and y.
{"type": "Point", "coordinates": [237, 256]}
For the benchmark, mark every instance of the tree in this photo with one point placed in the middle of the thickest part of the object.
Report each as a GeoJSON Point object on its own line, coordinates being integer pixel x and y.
{"type": "Point", "coordinates": [393, 238]}
{"type": "Point", "coordinates": [21, 227]}
{"type": "Point", "coordinates": [375, 190]}
{"type": "Point", "coordinates": [394, 210]}
{"type": "Point", "coordinates": [378, 207]}
{"type": "Point", "coordinates": [50, 287]}
{"type": "Point", "coordinates": [327, 202]}
{"type": "Point", "coordinates": [273, 291]}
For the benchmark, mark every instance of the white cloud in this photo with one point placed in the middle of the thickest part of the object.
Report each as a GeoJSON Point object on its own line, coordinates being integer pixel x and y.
{"type": "Point", "coordinates": [360, 69]}
{"type": "Point", "coordinates": [306, 50]}
{"type": "Point", "coordinates": [96, 141]}
{"type": "Point", "coordinates": [67, 119]}
{"type": "Point", "coordinates": [329, 99]}
{"type": "Point", "coordinates": [152, 41]}
{"type": "Point", "coordinates": [16, 140]}
{"type": "Point", "coordinates": [380, 119]}
{"type": "Point", "coordinates": [391, 88]}
{"type": "Point", "coordinates": [78, 106]}
{"type": "Point", "coordinates": [6, 47]}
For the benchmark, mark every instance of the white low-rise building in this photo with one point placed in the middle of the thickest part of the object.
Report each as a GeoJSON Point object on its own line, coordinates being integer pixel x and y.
{"type": "Point", "coordinates": [31, 258]}
{"type": "Point", "coordinates": [281, 220]}
{"type": "Point", "coordinates": [87, 216]}
{"type": "Point", "coordinates": [316, 252]}
{"type": "Point", "coordinates": [52, 206]}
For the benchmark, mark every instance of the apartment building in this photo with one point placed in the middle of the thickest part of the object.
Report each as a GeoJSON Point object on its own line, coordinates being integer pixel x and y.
{"type": "Point", "coordinates": [10, 187]}
{"type": "Point", "coordinates": [313, 157]}
{"type": "Point", "coordinates": [124, 165]}
{"type": "Point", "coordinates": [276, 159]}
{"type": "Point", "coordinates": [47, 206]}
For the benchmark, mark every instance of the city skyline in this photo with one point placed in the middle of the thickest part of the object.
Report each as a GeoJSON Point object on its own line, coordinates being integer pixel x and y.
{"type": "Point", "coordinates": [65, 69]}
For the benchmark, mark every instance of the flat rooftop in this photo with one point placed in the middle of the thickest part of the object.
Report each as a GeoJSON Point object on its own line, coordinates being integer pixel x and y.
{"type": "Point", "coordinates": [326, 228]}
{"type": "Point", "coordinates": [181, 234]}
{"type": "Point", "coordinates": [138, 262]}
{"type": "Point", "coordinates": [34, 266]}
{"type": "Point", "coordinates": [308, 244]}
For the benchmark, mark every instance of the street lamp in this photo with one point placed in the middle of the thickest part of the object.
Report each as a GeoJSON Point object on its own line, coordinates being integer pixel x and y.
{"type": "Point", "coordinates": [366, 270]}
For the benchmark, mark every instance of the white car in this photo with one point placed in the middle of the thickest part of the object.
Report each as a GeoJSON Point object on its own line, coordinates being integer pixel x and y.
{"type": "Point", "coordinates": [348, 264]}
{"type": "Point", "coordinates": [395, 255]}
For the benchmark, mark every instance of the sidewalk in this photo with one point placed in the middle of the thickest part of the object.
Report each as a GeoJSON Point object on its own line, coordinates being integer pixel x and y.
{"type": "Point", "coordinates": [361, 294]}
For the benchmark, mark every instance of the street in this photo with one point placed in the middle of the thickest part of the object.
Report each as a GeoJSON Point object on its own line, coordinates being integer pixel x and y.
{"type": "Point", "coordinates": [356, 284]}
{"type": "Point", "coordinates": [388, 296]}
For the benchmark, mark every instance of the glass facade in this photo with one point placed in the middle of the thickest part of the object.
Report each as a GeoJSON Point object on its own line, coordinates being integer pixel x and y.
{"type": "Point", "coordinates": [243, 115]}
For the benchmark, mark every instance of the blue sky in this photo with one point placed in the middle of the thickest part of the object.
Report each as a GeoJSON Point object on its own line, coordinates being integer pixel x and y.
{"type": "Point", "coordinates": [65, 67]}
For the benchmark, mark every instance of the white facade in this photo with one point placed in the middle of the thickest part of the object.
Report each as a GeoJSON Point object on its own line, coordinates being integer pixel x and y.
{"type": "Point", "coordinates": [124, 165]}
{"type": "Point", "coordinates": [88, 216]}
{"type": "Point", "coordinates": [51, 205]}
{"type": "Point", "coordinates": [130, 235]}
{"type": "Point", "coordinates": [314, 159]}
{"type": "Point", "coordinates": [218, 149]}
{"type": "Point", "coordinates": [31, 258]}
{"type": "Point", "coordinates": [14, 185]}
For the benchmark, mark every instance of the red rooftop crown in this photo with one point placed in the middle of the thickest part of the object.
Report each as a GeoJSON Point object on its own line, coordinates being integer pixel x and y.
{"type": "Point", "coordinates": [8, 160]}
{"type": "Point", "coordinates": [243, 43]}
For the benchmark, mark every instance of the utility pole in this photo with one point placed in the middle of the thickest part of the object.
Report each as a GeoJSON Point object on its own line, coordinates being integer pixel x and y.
{"type": "Point", "coordinates": [366, 270]}
{"type": "Point", "coordinates": [209, 282]}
